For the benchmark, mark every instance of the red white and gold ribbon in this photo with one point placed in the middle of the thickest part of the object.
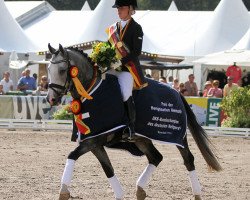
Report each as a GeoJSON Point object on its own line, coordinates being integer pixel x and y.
{"type": "Point", "coordinates": [121, 52]}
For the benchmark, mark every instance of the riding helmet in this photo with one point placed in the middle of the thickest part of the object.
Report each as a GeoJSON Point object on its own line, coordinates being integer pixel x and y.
{"type": "Point", "coordinates": [120, 3]}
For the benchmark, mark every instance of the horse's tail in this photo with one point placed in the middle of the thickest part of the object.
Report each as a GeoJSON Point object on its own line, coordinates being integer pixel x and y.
{"type": "Point", "coordinates": [201, 138]}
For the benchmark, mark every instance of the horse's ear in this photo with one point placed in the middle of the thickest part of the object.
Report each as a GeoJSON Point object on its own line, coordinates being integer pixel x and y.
{"type": "Point", "coordinates": [61, 49]}
{"type": "Point", "coordinates": [51, 49]}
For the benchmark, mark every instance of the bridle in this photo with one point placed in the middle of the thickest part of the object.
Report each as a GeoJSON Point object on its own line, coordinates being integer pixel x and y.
{"type": "Point", "coordinates": [55, 86]}
{"type": "Point", "coordinates": [65, 88]}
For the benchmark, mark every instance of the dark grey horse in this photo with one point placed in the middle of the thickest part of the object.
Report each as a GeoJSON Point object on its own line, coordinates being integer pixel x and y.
{"type": "Point", "coordinates": [61, 82]}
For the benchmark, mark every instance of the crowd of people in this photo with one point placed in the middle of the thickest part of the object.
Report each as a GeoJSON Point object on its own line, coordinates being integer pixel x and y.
{"type": "Point", "coordinates": [188, 88]}
{"type": "Point", "coordinates": [211, 87]}
{"type": "Point", "coordinates": [25, 83]}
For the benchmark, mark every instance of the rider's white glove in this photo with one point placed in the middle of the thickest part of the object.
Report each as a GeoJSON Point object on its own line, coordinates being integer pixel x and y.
{"type": "Point", "coordinates": [116, 64]}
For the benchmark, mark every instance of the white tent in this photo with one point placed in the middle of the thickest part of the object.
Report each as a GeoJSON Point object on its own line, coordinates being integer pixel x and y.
{"type": "Point", "coordinates": [229, 23]}
{"type": "Point", "coordinates": [171, 31]}
{"type": "Point", "coordinates": [244, 42]}
{"type": "Point", "coordinates": [12, 37]}
{"type": "Point", "coordinates": [73, 27]}
{"type": "Point", "coordinates": [182, 33]}
{"type": "Point", "coordinates": [19, 8]}
{"type": "Point", "coordinates": [85, 6]}
{"type": "Point", "coordinates": [186, 33]}
{"type": "Point", "coordinates": [172, 7]}
{"type": "Point", "coordinates": [103, 16]}
{"type": "Point", "coordinates": [58, 27]}
{"type": "Point", "coordinates": [226, 58]}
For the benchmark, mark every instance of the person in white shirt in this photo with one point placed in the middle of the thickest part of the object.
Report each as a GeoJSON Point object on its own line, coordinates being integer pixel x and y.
{"type": "Point", "coordinates": [6, 82]}
{"type": "Point", "coordinates": [170, 81]}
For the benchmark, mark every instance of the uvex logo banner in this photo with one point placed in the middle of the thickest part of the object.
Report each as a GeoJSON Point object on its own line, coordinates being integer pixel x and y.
{"type": "Point", "coordinates": [29, 107]}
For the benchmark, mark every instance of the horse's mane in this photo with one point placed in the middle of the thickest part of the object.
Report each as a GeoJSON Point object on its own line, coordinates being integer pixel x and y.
{"type": "Point", "coordinates": [82, 53]}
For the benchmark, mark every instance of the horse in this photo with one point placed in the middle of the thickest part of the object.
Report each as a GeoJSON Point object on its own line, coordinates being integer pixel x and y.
{"type": "Point", "coordinates": [63, 74]}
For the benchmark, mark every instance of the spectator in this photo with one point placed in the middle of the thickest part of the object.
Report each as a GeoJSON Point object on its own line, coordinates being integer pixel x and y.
{"type": "Point", "coordinates": [182, 89]}
{"type": "Point", "coordinates": [26, 82]}
{"type": "Point", "coordinates": [240, 83]}
{"type": "Point", "coordinates": [208, 85]}
{"type": "Point", "coordinates": [1, 90]}
{"type": "Point", "coordinates": [163, 79]}
{"type": "Point", "coordinates": [190, 85]}
{"type": "Point", "coordinates": [215, 91]}
{"type": "Point", "coordinates": [35, 76]}
{"type": "Point", "coordinates": [23, 73]}
{"type": "Point", "coordinates": [184, 92]}
{"type": "Point", "coordinates": [6, 82]}
{"type": "Point", "coordinates": [176, 84]}
{"type": "Point", "coordinates": [229, 86]}
{"type": "Point", "coordinates": [43, 85]}
{"type": "Point", "coordinates": [149, 76]}
{"type": "Point", "coordinates": [170, 81]}
{"type": "Point", "coordinates": [181, 86]}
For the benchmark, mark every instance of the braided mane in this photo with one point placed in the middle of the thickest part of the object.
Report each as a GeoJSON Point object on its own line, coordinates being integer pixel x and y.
{"type": "Point", "coordinates": [82, 53]}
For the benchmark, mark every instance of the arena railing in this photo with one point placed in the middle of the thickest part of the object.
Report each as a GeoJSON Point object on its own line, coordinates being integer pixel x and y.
{"type": "Point", "coordinates": [66, 125]}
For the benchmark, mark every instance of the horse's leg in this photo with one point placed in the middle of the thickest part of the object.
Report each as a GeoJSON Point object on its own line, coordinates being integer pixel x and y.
{"type": "Point", "coordinates": [189, 164]}
{"type": "Point", "coordinates": [103, 158]}
{"type": "Point", "coordinates": [69, 168]}
{"type": "Point", "coordinates": [154, 158]}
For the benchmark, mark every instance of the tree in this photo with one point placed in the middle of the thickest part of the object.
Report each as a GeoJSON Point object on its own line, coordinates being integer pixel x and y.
{"type": "Point", "coordinates": [143, 4]}
{"type": "Point", "coordinates": [237, 108]}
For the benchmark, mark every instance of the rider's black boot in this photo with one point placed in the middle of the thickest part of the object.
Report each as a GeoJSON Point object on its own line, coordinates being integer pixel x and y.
{"type": "Point", "coordinates": [130, 108]}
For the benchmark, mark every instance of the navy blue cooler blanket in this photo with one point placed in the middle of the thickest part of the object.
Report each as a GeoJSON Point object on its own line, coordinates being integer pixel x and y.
{"type": "Point", "coordinates": [160, 113]}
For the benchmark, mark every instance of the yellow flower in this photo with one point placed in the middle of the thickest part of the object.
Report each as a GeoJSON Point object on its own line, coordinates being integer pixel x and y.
{"type": "Point", "coordinates": [103, 54]}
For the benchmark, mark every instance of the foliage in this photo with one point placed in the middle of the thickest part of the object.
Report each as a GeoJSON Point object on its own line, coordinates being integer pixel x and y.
{"type": "Point", "coordinates": [237, 108]}
{"type": "Point", "coordinates": [143, 4]}
{"type": "Point", "coordinates": [103, 54]}
{"type": "Point", "coordinates": [64, 113]}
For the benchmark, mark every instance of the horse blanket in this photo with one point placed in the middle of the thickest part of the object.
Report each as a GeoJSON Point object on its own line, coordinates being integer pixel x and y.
{"type": "Point", "coordinates": [160, 113]}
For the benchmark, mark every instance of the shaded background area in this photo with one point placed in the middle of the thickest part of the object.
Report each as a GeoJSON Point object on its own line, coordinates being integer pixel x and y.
{"type": "Point", "coordinates": [182, 5]}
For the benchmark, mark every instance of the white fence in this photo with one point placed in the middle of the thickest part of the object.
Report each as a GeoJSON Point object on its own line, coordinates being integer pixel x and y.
{"type": "Point", "coordinates": [66, 125]}
{"type": "Point", "coordinates": [13, 124]}
{"type": "Point", "coordinates": [223, 131]}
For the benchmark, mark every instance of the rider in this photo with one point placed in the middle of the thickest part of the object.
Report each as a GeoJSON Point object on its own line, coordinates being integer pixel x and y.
{"type": "Point", "coordinates": [128, 34]}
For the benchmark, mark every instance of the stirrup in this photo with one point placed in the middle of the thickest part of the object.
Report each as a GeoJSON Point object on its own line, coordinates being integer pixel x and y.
{"type": "Point", "coordinates": [131, 137]}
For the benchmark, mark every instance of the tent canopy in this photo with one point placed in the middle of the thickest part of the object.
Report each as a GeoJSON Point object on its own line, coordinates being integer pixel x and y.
{"type": "Point", "coordinates": [164, 66]}
{"type": "Point", "coordinates": [182, 33]}
{"type": "Point", "coordinates": [226, 58]}
{"type": "Point", "coordinates": [12, 37]}
{"type": "Point", "coordinates": [86, 6]}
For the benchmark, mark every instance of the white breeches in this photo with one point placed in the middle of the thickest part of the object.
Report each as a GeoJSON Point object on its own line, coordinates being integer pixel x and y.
{"type": "Point", "coordinates": [126, 82]}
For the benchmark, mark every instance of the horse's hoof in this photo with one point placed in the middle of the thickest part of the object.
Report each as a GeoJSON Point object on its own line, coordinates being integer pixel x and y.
{"type": "Point", "coordinates": [64, 196]}
{"type": "Point", "coordinates": [197, 197]}
{"type": "Point", "coordinates": [140, 193]}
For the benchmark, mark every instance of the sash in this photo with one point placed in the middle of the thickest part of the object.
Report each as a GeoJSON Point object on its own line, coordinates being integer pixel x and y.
{"type": "Point", "coordinates": [121, 52]}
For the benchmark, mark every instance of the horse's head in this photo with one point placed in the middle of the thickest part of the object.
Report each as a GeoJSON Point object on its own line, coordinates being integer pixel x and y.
{"type": "Point", "coordinates": [60, 73]}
